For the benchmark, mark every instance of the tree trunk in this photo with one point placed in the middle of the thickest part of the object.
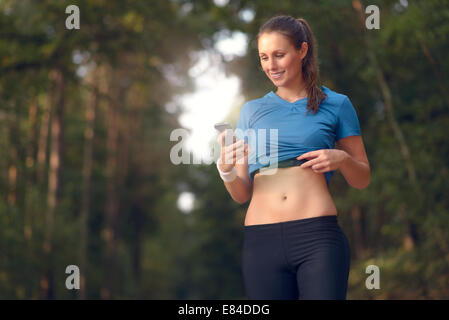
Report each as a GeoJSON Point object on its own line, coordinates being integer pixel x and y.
{"type": "Point", "coordinates": [87, 173]}
{"type": "Point", "coordinates": [14, 144]}
{"type": "Point", "coordinates": [30, 162]}
{"type": "Point", "coordinates": [54, 180]}
{"type": "Point", "coordinates": [138, 221]}
{"type": "Point", "coordinates": [109, 233]}
{"type": "Point", "coordinates": [43, 137]}
{"type": "Point", "coordinates": [435, 67]}
{"type": "Point", "coordinates": [358, 231]}
{"type": "Point", "coordinates": [12, 179]}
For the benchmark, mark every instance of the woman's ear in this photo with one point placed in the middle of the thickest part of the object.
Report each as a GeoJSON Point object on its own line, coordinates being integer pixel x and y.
{"type": "Point", "coordinates": [304, 49]}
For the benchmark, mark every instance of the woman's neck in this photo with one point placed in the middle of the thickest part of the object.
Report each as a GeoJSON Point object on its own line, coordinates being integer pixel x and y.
{"type": "Point", "coordinates": [292, 94]}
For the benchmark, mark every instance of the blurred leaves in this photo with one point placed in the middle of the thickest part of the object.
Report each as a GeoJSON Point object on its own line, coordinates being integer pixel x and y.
{"type": "Point", "coordinates": [127, 50]}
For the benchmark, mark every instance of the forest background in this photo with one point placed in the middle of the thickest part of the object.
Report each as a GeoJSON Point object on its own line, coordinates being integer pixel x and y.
{"type": "Point", "coordinates": [85, 172]}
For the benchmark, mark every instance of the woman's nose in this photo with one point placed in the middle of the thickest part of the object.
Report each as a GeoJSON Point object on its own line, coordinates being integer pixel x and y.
{"type": "Point", "coordinates": [272, 65]}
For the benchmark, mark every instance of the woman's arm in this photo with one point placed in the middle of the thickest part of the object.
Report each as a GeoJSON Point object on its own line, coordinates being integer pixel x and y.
{"type": "Point", "coordinates": [241, 187]}
{"type": "Point", "coordinates": [355, 168]}
{"type": "Point", "coordinates": [239, 190]}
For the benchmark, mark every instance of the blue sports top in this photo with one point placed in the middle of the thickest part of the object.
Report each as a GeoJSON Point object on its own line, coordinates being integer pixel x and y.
{"type": "Point", "coordinates": [296, 133]}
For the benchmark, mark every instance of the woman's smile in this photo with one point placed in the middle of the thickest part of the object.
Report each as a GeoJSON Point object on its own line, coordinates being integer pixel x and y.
{"type": "Point", "coordinates": [277, 75]}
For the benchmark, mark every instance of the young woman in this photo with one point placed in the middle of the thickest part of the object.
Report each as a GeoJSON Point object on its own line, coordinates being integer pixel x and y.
{"type": "Point", "coordinates": [293, 244]}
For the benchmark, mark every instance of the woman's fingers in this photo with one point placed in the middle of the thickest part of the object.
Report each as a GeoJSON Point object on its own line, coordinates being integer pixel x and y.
{"type": "Point", "coordinates": [235, 146]}
{"type": "Point", "coordinates": [238, 144]}
{"type": "Point", "coordinates": [231, 155]}
{"type": "Point", "coordinates": [241, 154]}
{"type": "Point", "coordinates": [226, 135]}
{"type": "Point", "coordinates": [237, 150]}
{"type": "Point", "coordinates": [222, 137]}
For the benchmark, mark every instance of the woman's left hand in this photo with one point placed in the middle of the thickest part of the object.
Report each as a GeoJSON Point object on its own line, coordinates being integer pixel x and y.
{"type": "Point", "coordinates": [323, 160]}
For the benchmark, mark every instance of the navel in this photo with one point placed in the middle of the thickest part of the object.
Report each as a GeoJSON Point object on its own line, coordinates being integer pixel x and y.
{"type": "Point", "coordinates": [284, 197]}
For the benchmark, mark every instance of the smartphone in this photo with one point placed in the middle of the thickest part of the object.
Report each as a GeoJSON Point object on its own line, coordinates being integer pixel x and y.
{"type": "Point", "coordinates": [230, 137]}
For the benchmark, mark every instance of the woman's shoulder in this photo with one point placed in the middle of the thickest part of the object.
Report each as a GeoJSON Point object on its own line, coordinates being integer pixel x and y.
{"type": "Point", "coordinates": [252, 104]}
{"type": "Point", "coordinates": [260, 100]}
{"type": "Point", "coordinates": [333, 97]}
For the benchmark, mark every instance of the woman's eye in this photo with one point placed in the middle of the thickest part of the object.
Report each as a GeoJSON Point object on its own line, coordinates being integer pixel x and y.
{"type": "Point", "coordinates": [278, 56]}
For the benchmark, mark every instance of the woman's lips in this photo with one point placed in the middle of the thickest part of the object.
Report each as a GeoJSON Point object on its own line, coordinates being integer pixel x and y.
{"type": "Point", "coordinates": [277, 75]}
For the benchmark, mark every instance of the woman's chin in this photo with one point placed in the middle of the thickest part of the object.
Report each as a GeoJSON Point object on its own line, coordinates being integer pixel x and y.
{"type": "Point", "coordinates": [277, 82]}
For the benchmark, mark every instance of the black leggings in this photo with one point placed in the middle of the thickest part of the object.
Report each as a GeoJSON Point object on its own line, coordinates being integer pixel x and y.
{"type": "Point", "coordinates": [306, 259]}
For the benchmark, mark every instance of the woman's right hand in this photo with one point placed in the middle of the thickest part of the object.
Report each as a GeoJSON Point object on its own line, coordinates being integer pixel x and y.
{"type": "Point", "coordinates": [232, 153]}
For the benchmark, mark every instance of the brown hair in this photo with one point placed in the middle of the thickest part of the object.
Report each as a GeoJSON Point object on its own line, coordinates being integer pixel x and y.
{"type": "Point", "coordinates": [298, 31]}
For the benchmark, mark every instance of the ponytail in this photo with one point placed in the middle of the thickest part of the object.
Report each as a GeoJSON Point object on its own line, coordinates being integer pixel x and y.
{"type": "Point", "coordinates": [310, 68]}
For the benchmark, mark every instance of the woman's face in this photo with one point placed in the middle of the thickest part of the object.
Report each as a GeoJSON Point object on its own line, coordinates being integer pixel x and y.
{"type": "Point", "coordinates": [280, 61]}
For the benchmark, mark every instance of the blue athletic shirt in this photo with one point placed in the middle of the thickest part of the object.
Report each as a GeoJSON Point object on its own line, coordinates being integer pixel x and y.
{"type": "Point", "coordinates": [297, 133]}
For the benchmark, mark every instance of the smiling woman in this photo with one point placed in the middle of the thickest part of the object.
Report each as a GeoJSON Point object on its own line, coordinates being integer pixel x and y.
{"type": "Point", "coordinates": [294, 246]}
{"type": "Point", "coordinates": [291, 58]}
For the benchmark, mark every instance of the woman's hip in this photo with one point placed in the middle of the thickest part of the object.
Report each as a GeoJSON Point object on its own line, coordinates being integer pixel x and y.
{"type": "Point", "coordinates": [298, 239]}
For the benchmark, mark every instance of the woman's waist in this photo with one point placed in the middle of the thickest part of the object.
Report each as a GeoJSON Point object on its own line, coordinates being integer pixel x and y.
{"type": "Point", "coordinates": [298, 193]}
{"type": "Point", "coordinates": [292, 180]}
{"type": "Point", "coordinates": [292, 203]}
{"type": "Point", "coordinates": [291, 162]}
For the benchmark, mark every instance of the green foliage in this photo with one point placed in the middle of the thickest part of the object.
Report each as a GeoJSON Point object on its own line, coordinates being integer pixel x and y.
{"type": "Point", "coordinates": [161, 252]}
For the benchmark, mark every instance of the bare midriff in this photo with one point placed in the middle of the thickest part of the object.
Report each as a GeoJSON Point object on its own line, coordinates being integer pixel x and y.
{"type": "Point", "coordinates": [290, 193]}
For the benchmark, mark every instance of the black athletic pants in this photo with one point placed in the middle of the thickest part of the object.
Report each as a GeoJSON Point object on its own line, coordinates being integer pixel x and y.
{"type": "Point", "coordinates": [306, 259]}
